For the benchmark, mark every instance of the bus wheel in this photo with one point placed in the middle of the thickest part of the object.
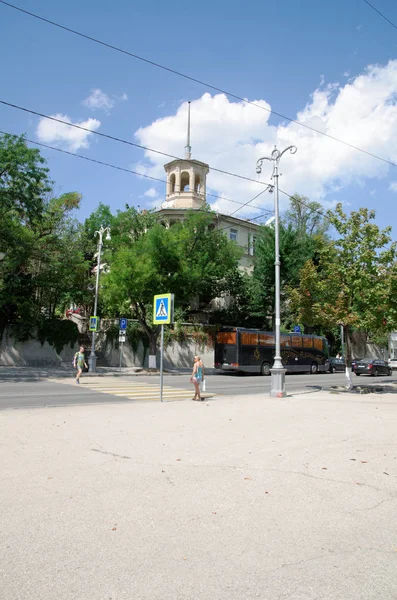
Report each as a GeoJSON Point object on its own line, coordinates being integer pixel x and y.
{"type": "Point", "coordinates": [265, 369]}
{"type": "Point", "coordinates": [313, 368]}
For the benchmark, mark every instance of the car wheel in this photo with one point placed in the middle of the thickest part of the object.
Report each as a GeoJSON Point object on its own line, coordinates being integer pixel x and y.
{"type": "Point", "coordinates": [358, 374]}
{"type": "Point", "coordinates": [376, 373]}
{"type": "Point", "coordinates": [265, 369]}
{"type": "Point", "coordinates": [332, 370]}
{"type": "Point", "coordinates": [313, 368]}
{"type": "Point", "coordinates": [389, 372]}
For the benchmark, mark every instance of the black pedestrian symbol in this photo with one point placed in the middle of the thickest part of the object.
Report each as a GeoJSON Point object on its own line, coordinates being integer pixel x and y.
{"type": "Point", "coordinates": [161, 311]}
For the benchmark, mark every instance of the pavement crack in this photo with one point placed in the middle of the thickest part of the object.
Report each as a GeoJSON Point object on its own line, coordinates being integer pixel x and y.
{"type": "Point", "coordinates": [110, 453]}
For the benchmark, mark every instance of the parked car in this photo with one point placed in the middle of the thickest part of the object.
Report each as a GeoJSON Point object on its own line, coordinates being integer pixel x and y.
{"type": "Point", "coordinates": [371, 366]}
{"type": "Point", "coordinates": [336, 364]}
{"type": "Point", "coordinates": [392, 362]}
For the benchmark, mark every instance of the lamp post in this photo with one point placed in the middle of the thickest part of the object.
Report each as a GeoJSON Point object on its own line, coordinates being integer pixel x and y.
{"type": "Point", "coordinates": [92, 357]}
{"type": "Point", "coordinates": [277, 372]}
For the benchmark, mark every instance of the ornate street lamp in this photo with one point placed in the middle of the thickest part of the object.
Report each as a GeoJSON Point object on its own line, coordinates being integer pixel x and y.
{"type": "Point", "coordinates": [277, 372]}
{"type": "Point", "coordinates": [92, 357]}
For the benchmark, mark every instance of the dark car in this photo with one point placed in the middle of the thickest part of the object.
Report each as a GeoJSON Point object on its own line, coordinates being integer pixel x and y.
{"type": "Point", "coordinates": [371, 366]}
{"type": "Point", "coordinates": [336, 364]}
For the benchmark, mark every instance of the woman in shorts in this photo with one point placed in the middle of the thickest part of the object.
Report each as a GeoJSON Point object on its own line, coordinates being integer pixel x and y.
{"type": "Point", "coordinates": [79, 363]}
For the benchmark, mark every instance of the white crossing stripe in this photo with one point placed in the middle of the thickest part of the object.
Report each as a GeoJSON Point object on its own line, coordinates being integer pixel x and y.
{"type": "Point", "coordinates": [135, 390]}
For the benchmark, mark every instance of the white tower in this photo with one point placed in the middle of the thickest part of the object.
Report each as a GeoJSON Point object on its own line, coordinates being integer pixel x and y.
{"type": "Point", "coordinates": [186, 179]}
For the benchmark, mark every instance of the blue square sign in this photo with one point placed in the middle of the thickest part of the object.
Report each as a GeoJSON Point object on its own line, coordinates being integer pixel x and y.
{"type": "Point", "coordinates": [123, 324]}
{"type": "Point", "coordinates": [163, 309]}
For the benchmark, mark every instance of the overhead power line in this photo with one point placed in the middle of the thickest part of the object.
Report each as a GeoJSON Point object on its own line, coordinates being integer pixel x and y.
{"type": "Point", "coordinates": [195, 80]}
{"type": "Point", "coordinates": [381, 14]}
{"type": "Point", "coordinates": [122, 141]}
{"type": "Point", "coordinates": [157, 179]}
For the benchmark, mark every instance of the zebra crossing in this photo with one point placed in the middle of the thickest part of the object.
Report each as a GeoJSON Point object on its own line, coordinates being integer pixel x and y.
{"type": "Point", "coordinates": [135, 390]}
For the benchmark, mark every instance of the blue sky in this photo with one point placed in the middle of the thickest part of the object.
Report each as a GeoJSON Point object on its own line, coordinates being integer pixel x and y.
{"type": "Point", "coordinates": [308, 60]}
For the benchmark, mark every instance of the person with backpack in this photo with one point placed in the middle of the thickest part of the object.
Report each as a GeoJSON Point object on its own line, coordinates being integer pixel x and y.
{"type": "Point", "coordinates": [79, 363]}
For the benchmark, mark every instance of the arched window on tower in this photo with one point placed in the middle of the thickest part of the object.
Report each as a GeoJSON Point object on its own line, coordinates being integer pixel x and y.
{"type": "Point", "coordinates": [185, 181]}
{"type": "Point", "coordinates": [197, 184]}
{"type": "Point", "coordinates": [172, 184]}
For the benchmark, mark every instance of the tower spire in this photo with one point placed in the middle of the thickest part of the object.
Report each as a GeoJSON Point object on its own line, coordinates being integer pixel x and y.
{"type": "Point", "coordinates": [188, 149]}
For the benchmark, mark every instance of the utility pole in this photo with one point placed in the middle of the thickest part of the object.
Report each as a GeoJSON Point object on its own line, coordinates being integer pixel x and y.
{"type": "Point", "coordinates": [92, 357]}
{"type": "Point", "coordinates": [277, 372]}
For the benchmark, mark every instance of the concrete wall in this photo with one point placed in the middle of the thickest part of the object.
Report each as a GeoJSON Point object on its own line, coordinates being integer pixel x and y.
{"type": "Point", "coordinates": [32, 354]}
{"type": "Point", "coordinates": [176, 355]}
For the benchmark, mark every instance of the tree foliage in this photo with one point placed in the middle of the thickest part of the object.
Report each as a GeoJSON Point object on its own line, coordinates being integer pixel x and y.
{"type": "Point", "coordinates": [44, 268]}
{"type": "Point", "coordinates": [354, 282]}
{"type": "Point", "coordinates": [187, 259]}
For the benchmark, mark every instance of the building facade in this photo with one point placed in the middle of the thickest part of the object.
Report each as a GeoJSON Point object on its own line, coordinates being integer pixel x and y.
{"type": "Point", "coordinates": [186, 190]}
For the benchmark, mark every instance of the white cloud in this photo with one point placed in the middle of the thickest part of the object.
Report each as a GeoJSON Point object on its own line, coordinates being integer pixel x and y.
{"type": "Point", "coordinates": [151, 193]}
{"type": "Point", "coordinates": [65, 136]}
{"type": "Point", "coordinates": [233, 135]}
{"type": "Point", "coordinates": [393, 186]}
{"type": "Point", "coordinates": [98, 100]}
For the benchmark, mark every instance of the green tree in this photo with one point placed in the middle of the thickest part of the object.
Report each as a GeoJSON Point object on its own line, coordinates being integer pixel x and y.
{"type": "Point", "coordinates": [187, 259]}
{"type": "Point", "coordinates": [295, 249]}
{"type": "Point", "coordinates": [354, 283]}
{"type": "Point", "coordinates": [306, 217]}
{"type": "Point", "coordinates": [44, 265]}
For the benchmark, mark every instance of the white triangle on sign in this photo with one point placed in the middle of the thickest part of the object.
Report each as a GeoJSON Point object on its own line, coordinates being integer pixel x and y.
{"type": "Point", "coordinates": [161, 311]}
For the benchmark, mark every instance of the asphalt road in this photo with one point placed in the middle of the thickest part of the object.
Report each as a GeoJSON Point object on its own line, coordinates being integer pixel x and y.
{"type": "Point", "coordinates": [49, 393]}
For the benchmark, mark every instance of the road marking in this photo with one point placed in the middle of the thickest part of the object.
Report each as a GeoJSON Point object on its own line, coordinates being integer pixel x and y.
{"type": "Point", "coordinates": [136, 390]}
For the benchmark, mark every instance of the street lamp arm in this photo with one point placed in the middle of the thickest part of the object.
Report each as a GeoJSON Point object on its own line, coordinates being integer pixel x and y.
{"type": "Point", "coordinates": [259, 163]}
{"type": "Point", "coordinates": [292, 149]}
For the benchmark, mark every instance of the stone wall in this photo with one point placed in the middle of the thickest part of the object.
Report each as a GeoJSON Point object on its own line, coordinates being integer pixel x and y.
{"type": "Point", "coordinates": [176, 355]}
{"type": "Point", "coordinates": [32, 353]}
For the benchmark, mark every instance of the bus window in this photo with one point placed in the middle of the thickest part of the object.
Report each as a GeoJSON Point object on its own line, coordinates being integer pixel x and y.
{"type": "Point", "coordinates": [285, 341]}
{"type": "Point", "coordinates": [226, 337]}
{"type": "Point", "coordinates": [296, 341]}
{"type": "Point", "coordinates": [318, 343]}
{"type": "Point", "coordinates": [266, 339]}
{"type": "Point", "coordinates": [307, 342]}
{"type": "Point", "coordinates": [249, 339]}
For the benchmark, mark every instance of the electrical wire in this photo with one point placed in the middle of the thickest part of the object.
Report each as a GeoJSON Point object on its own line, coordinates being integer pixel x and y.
{"type": "Point", "coordinates": [381, 14]}
{"type": "Point", "coordinates": [125, 170]}
{"type": "Point", "coordinates": [122, 141]}
{"type": "Point", "coordinates": [203, 83]}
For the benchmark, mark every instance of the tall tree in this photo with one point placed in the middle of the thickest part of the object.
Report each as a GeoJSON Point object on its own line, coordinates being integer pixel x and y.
{"type": "Point", "coordinates": [186, 259]}
{"type": "Point", "coordinates": [306, 216]}
{"type": "Point", "coordinates": [295, 249]}
{"type": "Point", "coordinates": [43, 265]}
{"type": "Point", "coordinates": [354, 283]}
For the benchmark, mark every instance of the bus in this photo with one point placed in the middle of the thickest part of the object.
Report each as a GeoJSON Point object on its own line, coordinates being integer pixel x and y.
{"type": "Point", "coordinates": [252, 351]}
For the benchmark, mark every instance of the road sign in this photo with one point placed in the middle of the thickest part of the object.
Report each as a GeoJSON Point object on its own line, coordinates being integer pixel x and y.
{"type": "Point", "coordinates": [121, 336]}
{"type": "Point", "coordinates": [123, 324]}
{"type": "Point", "coordinates": [297, 329]}
{"type": "Point", "coordinates": [94, 323]}
{"type": "Point", "coordinates": [163, 309]}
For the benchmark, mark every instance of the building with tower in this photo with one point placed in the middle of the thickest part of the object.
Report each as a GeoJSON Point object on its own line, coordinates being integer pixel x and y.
{"type": "Point", "coordinates": [186, 190]}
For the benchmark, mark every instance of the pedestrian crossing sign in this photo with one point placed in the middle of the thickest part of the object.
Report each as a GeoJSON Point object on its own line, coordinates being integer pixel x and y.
{"type": "Point", "coordinates": [93, 324]}
{"type": "Point", "coordinates": [163, 309]}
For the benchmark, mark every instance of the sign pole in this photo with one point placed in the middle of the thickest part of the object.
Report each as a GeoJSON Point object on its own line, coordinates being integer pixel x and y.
{"type": "Point", "coordinates": [121, 352]}
{"type": "Point", "coordinates": [161, 362]}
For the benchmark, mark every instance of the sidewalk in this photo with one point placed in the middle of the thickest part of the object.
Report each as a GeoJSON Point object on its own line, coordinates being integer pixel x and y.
{"type": "Point", "coordinates": [236, 498]}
